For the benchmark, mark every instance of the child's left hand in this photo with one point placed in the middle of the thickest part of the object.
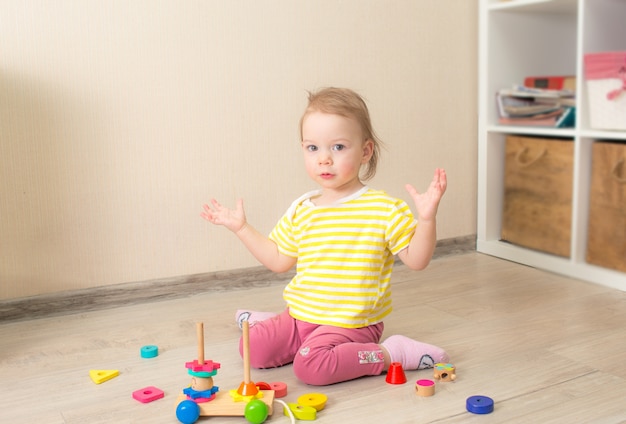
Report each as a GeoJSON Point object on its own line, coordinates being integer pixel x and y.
{"type": "Point", "coordinates": [428, 202]}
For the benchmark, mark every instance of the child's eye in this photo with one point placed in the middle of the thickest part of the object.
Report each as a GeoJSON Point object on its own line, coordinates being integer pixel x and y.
{"type": "Point", "coordinates": [338, 147]}
{"type": "Point", "coordinates": [311, 148]}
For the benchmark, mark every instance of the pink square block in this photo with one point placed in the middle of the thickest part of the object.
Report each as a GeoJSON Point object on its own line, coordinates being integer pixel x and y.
{"type": "Point", "coordinates": [148, 394]}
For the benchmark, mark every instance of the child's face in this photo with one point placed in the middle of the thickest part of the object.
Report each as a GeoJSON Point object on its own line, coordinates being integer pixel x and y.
{"type": "Point", "coordinates": [334, 150]}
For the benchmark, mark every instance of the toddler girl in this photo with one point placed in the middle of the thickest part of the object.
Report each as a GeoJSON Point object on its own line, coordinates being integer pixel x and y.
{"type": "Point", "coordinates": [342, 238]}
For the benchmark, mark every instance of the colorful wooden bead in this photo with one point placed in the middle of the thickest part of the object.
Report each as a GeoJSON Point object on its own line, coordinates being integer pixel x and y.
{"type": "Point", "coordinates": [314, 400]}
{"type": "Point", "coordinates": [149, 351]}
{"type": "Point", "coordinates": [200, 384]}
{"type": "Point", "coordinates": [148, 394]}
{"type": "Point", "coordinates": [100, 376]}
{"type": "Point", "coordinates": [444, 372]}
{"type": "Point", "coordinates": [425, 387]}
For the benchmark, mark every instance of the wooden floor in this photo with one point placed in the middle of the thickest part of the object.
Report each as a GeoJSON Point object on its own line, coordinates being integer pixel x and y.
{"type": "Point", "coordinates": [545, 348]}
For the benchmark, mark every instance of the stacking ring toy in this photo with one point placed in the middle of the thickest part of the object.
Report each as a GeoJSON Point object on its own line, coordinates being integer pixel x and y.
{"type": "Point", "coordinates": [280, 389]}
{"type": "Point", "coordinates": [149, 351]}
{"type": "Point", "coordinates": [479, 404]}
{"type": "Point", "coordinates": [314, 400]}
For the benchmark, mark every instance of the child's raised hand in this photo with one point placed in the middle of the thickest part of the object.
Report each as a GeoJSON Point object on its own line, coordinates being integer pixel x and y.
{"type": "Point", "coordinates": [233, 219]}
{"type": "Point", "coordinates": [428, 202]}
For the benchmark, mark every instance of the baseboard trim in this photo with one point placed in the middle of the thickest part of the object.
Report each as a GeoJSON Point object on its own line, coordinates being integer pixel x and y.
{"type": "Point", "coordinates": [77, 301]}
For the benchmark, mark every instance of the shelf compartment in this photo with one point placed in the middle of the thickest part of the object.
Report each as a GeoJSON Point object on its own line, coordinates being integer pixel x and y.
{"type": "Point", "coordinates": [538, 178]}
{"type": "Point", "coordinates": [521, 45]}
{"type": "Point", "coordinates": [522, 38]}
{"type": "Point", "coordinates": [606, 244]}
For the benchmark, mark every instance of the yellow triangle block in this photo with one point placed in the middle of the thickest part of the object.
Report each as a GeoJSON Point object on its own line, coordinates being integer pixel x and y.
{"type": "Point", "coordinates": [100, 376]}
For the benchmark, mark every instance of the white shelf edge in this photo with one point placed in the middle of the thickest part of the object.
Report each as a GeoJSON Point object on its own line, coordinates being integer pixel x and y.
{"type": "Point", "coordinates": [606, 135]}
{"type": "Point", "coordinates": [542, 6]}
{"type": "Point", "coordinates": [554, 132]}
{"type": "Point", "coordinates": [558, 132]}
{"type": "Point", "coordinates": [558, 265]}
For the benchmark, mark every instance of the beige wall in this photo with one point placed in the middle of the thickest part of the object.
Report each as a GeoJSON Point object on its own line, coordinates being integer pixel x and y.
{"type": "Point", "coordinates": [118, 119]}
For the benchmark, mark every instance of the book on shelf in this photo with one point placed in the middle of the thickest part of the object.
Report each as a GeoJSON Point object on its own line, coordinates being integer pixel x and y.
{"type": "Point", "coordinates": [537, 93]}
{"type": "Point", "coordinates": [556, 82]}
{"type": "Point", "coordinates": [562, 118]}
{"type": "Point", "coordinates": [527, 106]}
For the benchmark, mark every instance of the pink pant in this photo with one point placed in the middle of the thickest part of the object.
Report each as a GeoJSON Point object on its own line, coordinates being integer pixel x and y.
{"type": "Point", "coordinates": [321, 354]}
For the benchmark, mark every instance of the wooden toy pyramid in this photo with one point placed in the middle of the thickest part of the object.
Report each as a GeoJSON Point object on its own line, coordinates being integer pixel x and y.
{"type": "Point", "coordinates": [210, 400]}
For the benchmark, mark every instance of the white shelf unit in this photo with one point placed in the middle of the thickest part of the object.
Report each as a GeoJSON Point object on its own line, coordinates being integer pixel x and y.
{"type": "Point", "coordinates": [521, 38]}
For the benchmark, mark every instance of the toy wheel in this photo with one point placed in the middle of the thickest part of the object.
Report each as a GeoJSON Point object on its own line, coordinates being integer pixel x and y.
{"type": "Point", "coordinates": [256, 411]}
{"type": "Point", "coordinates": [188, 412]}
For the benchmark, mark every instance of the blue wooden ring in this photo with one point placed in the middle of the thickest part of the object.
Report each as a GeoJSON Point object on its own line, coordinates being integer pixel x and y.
{"type": "Point", "coordinates": [479, 404]}
{"type": "Point", "coordinates": [194, 394]}
{"type": "Point", "coordinates": [149, 351]}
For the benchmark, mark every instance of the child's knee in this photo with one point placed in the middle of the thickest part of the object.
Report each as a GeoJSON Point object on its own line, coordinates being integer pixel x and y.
{"type": "Point", "coordinates": [311, 376]}
{"type": "Point", "coordinates": [263, 352]}
{"type": "Point", "coordinates": [308, 369]}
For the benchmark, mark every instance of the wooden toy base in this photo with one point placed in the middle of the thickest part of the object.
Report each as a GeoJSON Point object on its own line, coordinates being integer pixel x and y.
{"type": "Point", "coordinates": [224, 406]}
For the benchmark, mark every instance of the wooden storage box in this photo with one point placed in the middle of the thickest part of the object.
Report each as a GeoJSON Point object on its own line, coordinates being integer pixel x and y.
{"type": "Point", "coordinates": [606, 239]}
{"type": "Point", "coordinates": [538, 193]}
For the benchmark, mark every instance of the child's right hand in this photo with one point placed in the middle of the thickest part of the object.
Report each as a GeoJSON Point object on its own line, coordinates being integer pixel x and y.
{"type": "Point", "coordinates": [233, 219]}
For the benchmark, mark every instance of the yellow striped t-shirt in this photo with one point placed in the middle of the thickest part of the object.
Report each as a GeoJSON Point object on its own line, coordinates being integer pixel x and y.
{"type": "Point", "coordinates": [345, 256]}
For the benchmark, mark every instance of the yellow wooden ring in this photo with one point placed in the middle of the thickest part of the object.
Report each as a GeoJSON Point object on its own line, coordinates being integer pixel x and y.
{"type": "Point", "coordinates": [301, 412]}
{"type": "Point", "coordinates": [314, 400]}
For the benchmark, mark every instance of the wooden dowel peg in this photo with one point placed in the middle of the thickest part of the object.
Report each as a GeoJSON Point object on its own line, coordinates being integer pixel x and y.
{"type": "Point", "coordinates": [200, 335]}
{"type": "Point", "coordinates": [246, 352]}
{"type": "Point", "coordinates": [247, 387]}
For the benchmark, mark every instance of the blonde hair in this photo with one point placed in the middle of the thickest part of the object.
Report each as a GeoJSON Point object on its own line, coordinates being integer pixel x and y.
{"type": "Point", "coordinates": [345, 102]}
